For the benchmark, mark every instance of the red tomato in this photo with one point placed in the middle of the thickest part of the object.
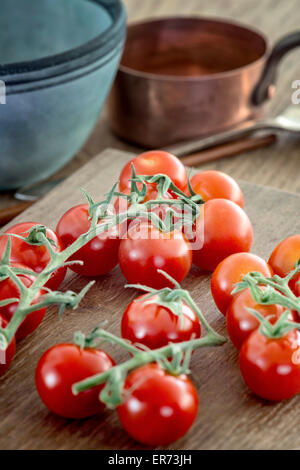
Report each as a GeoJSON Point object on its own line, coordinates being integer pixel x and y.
{"type": "Point", "coordinates": [241, 323]}
{"type": "Point", "coordinates": [231, 271]}
{"type": "Point", "coordinates": [159, 408]}
{"type": "Point", "coordinates": [8, 290]}
{"type": "Point", "coordinates": [227, 230]}
{"type": "Point", "coordinates": [146, 249]}
{"type": "Point", "coordinates": [34, 257]}
{"type": "Point", "coordinates": [284, 258]}
{"type": "Point", "coordinates": [212, 184]}
{"type": "Point", "coordinates": [155, 326]}
{"type": "Point", "coordinates": [152, 163]}
{"type": "Point", "coordinates": [100, 255]}
{"type": "Point", "coordinates": [6, 356]}
{"type": "Point", "coordinates": [59, 368]}
{"type": "Point", "coordinates": [271, 367]}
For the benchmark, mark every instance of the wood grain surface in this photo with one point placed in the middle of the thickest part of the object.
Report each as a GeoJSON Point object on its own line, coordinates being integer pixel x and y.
{"type": "Point", "coordinates": [230, 416]}
{"type": "Point", "coordinates": [278, 165]}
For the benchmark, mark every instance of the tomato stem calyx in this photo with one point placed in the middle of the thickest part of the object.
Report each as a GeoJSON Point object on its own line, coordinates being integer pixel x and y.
{"type": "Point", "coordinates": [174, 358]}
{"type": "Point", "coordinates": [114, 378]}
{"type": "Point", "coordinates": [101, 221]}
{"type": "Point", "coordinates": [272, 291]}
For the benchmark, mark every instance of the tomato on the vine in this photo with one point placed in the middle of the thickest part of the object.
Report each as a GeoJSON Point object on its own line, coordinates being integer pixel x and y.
{"type": "Point", "coordinates": [33, 256]}
{"type": "Point", "coordinates": [6, 356]}
{"type": "Point", "coordinates": [152, 163]}
{"type": "Point", "coordinates": [241, 323]}
{"type": "Point", "coordinates": [271, 366]}
{"type": "Point", "coordinates": [231, 271]}
{"type": "Point", "coordinates": [59, 368]}
{"type": "Point", "coordinates": [283, 260]}
{"type": "Point", "coordinates": [122, 205]}
{"type": "Point", "coordinates": [146, 249]}
{"type": "Point", "coordinates": [227, 230]}
{"type": "Point", "coordinates": [100, 255]}
{"type": "Point", "coordinates": [159, 408]}
{"type": "Point", "coordinates": [212, 184]}
{"type": "Point", "coordinates": [9, 290]}
{"type": "Point", "coordinates": [155, 326]}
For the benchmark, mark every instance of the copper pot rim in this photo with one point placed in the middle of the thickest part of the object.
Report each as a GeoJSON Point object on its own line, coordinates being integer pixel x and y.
{"type": "Point", "coordinates": [200, 78]}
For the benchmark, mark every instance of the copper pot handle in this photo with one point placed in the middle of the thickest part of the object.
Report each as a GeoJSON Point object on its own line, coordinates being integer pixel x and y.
{"type": "Point", "coordinates": [268, 78]}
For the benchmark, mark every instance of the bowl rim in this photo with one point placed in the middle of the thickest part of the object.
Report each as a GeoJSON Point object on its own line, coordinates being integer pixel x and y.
{"type": "Point", "coordinates": [105, 41]}
{"type": "Point", "coordinates": [127, 70]}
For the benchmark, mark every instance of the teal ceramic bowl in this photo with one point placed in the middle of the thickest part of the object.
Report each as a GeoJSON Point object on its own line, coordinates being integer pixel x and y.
{"type": "Point", "coordinates": [58, 59]}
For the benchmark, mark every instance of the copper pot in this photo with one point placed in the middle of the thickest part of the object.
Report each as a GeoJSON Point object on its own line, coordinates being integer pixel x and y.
{"type": "Point", "coordinates": [181, 78]}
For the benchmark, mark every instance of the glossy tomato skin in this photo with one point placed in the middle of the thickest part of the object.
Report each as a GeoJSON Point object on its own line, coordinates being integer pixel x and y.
{"type": "Point", "coordinates": [160, 407]}
{"type": "Point", "coordinates": [283, 260]}
{"type": "Point", "coordinates": [227, 230]}
{"type": "Point", "coordinates": [241, 323]}
{"type": "Point", "coordinates": [59, 368]}
{"type": "Point", "coordinates": [100, 255]}
{"type": "Point", "coordinates": [154, 162]}
{"type": "Point", "coordinates": [9, 290]}
{"type": "Point", "coordinates": [212, 184]}
{"type": "Point", "coordinates": [146, 249]}
{"type": "Point", "coordinates": [34, 257]}
{"type": "Point", "coordinates": [7, 356]}
{"type": "Point", "coordinates": [155, 326]}
{"type": "Point", "coordinates": [271, 367]}
{"type": "Point", "coordinates": [231, 271]}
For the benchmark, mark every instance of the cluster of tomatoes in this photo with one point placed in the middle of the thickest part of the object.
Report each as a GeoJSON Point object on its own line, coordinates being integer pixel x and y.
{"type": "Point", "coordinates": [35, 259]}
{"type": "Point", "coordinates": [167, 403]}
{"type": "Point", "coordinates": [144, 249]}
{"type": "Point", "coordinates": [270, 366]}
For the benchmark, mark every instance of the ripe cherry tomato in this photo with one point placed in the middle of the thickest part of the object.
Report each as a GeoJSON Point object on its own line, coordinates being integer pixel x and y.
{"type": "Point", "coordinates": [231, 271]}
{"type": "Point", "coordinates": [271, 367]}
{"type": "Point", "coordinates": [241, 323]}
{"type": "Point", "coordinates": [283, 260]}
{"type": "Point", "coordinates": [33, 256]}
{"type": "Point", "coordinates": [6, 356]}
{"type": "Point", "coordinates": [59, 368]}
{"type": "Point", "coordinates": [146, 249]}
{"type": "Point", "coordinates": [160, 408]}
{"type": "Point", "coordinates": [155, 326]}
{"type": "Point", "coordinates": [153, 162]}
{"type": "Point", "coordinates": [213, 184]}
{"type": "Point", "coordinates": [227, 230]}
{"type": "Point", "coordinates": [9, 290]}
{"type": "Point", "coordinates": [100, 255]}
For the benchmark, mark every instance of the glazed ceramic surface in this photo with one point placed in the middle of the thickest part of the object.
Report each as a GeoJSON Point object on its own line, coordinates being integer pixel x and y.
{"type": "Point", "coordinates": [58, 59]}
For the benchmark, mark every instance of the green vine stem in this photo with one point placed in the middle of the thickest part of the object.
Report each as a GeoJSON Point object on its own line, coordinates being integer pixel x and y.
{"type": "Point", "coordinates": [277, 289]}
{"type": "Point", "coordinates": [174, 357]}
{"type": "Point", "coordinates": [271, 291]}
{"type": "Point", "coordinates": [114, 378]}
{"type": "Point", "coordinates": [101, 221]}
{"type": "Point", "coordinates": [173, 299]}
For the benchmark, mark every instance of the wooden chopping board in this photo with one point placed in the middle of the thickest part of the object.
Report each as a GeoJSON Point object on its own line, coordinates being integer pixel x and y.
{"type": "Point", "coordinates": [230, 416]}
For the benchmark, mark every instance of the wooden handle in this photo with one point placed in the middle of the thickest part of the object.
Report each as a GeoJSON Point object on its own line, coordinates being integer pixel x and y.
{"type": "Point", "coordinates": [195, 159]}
{"type": "Point", "coordinates": [228, 150]}
{"type": "Point", "coordinates": [6, 215]}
